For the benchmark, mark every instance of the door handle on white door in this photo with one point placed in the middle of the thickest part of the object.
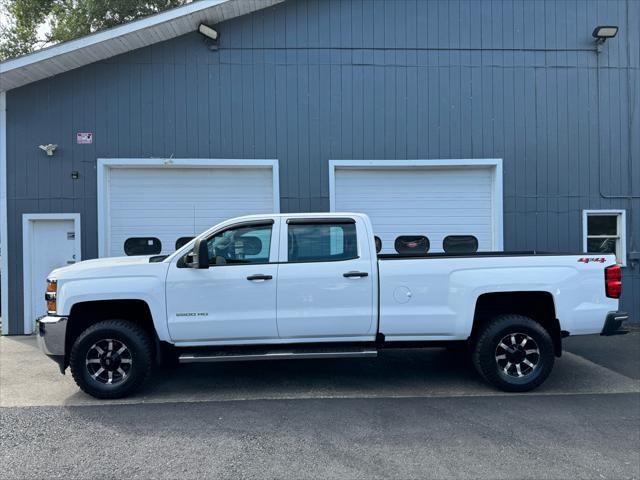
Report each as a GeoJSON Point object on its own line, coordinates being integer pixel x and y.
{"type": "Point", "coordinates": [355, 274]}
{"type": "Point", "coordinates": [259, 277]}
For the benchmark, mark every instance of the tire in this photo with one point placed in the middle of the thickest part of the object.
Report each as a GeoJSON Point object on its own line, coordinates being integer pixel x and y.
{"type": "Point", "coordinates": [505, 363]}
{"type": "Point", "coordinates": [111, 359]}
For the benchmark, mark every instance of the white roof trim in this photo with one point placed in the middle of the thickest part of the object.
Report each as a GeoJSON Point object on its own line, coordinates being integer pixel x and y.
{"type": "Point", "coordinates": [130, 36]}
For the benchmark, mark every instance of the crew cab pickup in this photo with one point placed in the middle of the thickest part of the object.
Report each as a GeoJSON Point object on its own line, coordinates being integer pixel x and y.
{"type": "Point", "coordinates": [305, 286]}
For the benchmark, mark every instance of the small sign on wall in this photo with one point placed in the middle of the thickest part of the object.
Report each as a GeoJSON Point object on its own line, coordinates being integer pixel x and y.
{"type": "Point", "coordinates": [84, 137]}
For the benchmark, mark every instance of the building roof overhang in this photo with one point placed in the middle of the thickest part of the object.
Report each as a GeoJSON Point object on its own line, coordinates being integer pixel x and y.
{"type": "Point", "coordinates": [123, 38]}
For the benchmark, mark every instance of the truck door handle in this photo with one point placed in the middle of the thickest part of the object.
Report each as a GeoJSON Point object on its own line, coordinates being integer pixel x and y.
{"type": "Point", "coordinates": [259, 277]}
{"type": "Point", "coordinates": [355, 274]}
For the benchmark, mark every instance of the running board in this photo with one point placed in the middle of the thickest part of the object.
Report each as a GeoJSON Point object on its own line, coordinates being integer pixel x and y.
{"type": "Point", "coordinates": [239, 356]}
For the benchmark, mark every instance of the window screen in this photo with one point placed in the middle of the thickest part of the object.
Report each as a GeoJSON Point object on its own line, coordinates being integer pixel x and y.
{"type": "Point", "coordinates": [322, 242]}
{"type": "Point", "coordinates": [412, 245]}
{"type": "Point", "coordinates": [142, 246]}
{"type": "Point", "coordinates": [460, 244]}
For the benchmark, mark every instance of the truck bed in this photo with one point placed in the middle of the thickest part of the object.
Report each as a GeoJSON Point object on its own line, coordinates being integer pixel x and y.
{"type": "Point", "coordinates": [523, 253]}
{"type": "Point", "coordinates": [434, 296]}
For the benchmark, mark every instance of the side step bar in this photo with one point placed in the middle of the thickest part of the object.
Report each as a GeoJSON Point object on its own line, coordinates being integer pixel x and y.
{"type": "Point", "coordinates": [239, 356]}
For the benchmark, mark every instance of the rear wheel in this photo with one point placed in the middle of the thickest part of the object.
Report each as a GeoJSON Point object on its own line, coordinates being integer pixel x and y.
{"type": "Point", "coordinates": [111, 359]}
{"type": "Point", "coordinates": [514, 353]}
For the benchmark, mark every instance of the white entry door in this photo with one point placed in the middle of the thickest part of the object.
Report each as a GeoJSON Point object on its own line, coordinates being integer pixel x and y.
{"type": "Point", "coordinates": [50, 242]}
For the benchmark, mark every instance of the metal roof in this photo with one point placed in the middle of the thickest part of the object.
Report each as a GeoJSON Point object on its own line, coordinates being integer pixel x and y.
{"type": "Point", "coordinates": [123, 38]}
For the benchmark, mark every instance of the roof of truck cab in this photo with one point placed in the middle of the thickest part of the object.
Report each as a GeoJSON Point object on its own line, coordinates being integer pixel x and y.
{"type": "Point", "coordinates": [300, 215]}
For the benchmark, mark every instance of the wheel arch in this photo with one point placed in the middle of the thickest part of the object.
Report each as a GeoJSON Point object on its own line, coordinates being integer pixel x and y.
{"type": "Point", "coordinates": [537, 305]}
{"type": "Point", "coordinates": [88, 313]}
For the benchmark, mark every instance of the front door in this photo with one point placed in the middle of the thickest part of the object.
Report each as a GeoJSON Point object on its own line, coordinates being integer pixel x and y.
{"type": "Point", "coordinates": [49, 244]}
{"type": "Point", "coordinates": [325, 282]}
{"type": "Point", "coordinates": [235, 298]}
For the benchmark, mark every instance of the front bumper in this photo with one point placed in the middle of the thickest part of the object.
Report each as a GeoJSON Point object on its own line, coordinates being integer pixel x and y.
{"type": "Point", "coordinates": [613, 323]}
{"type": "Point", "coordinates": [51, 332]}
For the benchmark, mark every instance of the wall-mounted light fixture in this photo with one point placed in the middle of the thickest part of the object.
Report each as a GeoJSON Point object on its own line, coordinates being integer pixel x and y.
{"type": "Point", "coordinates": [602, 33]}
{"type": "Point", "coordinates": [49, 148]}
{"type": "Point", "coordinates": [211, 36]}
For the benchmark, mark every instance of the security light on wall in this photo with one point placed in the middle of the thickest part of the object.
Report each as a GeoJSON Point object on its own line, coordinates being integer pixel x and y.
{"type": "Point", "coordinates": [602, 33]}
{"type": "Point", "coordinates": [49, 148]}
{"type": "Point", "coordinates": [210, 34]}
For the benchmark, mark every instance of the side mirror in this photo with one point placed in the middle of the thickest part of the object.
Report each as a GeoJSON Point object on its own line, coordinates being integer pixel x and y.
{"type": "Point", "coordinates": [200, 256]}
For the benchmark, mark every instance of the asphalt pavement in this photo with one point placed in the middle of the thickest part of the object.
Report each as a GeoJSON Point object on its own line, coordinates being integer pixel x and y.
{"type": "Point", "coordinates": [620, 353]}
{"type": "Point", "coordinates": [404, 415]}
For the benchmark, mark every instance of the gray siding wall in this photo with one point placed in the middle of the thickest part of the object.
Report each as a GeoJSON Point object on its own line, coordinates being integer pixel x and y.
{"type": "Point", "coordinates": [313, 80]}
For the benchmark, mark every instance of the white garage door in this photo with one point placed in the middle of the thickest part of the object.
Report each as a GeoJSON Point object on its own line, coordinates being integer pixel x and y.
{"type": "Point", "coordinates": [431, 201]}
{"type": "Point", "coordinates": [169, 203]}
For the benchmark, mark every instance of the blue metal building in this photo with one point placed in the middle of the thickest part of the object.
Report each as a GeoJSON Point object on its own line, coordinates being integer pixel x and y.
{"type": "Point", "coordinates": [499, 119]}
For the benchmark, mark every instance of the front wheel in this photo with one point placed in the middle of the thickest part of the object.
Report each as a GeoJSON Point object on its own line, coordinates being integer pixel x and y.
{"type": "Point", "coordinates": [514, 353]}
{"type": "Point", "coordinates": [111, 359]}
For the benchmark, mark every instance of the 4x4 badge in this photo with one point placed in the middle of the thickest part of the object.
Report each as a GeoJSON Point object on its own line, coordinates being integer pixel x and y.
{"type": "Point", "coordinates": [592, 259]}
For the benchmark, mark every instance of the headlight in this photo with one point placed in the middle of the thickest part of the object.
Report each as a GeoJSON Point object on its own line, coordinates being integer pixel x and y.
{"type": "Point", "coordinates": [50, 296]}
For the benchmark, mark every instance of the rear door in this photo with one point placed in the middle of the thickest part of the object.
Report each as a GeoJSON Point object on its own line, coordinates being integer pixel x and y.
{"type": "Point", "coordinates": [325, 280]}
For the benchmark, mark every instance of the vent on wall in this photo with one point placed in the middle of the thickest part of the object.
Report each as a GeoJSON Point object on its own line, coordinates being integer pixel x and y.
{"type": "Point", "coordinates": [182, 241]}
{"type": "Point", "coordinates": [378, 243]}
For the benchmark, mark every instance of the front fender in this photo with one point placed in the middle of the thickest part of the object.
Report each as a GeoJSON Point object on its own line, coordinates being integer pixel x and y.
{"type": "Point", "coordinates": [149, 289]}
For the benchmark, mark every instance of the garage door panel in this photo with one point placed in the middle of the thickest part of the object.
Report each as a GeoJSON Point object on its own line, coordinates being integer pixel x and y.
{"type": "Point", "coordinates": [459, 222]}
{"type": "Point", "coordinates": [479, 210]}
{"type": "Point", "coordinates": [169, 203]}
{"type": "Point", "coordinates": [463, 192]}
{"type": "Point", "coordinates": [435, 202]}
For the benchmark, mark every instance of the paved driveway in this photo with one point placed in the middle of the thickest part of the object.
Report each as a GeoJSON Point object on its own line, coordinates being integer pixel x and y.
{"type": "Point", "coordinates": [30, 379]}
{"type": "Point", "coordinates": [407, 414]}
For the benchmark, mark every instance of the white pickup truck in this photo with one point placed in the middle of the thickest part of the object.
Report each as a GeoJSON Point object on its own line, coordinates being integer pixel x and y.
{"type": "Point", "coordinates": [313, 286]}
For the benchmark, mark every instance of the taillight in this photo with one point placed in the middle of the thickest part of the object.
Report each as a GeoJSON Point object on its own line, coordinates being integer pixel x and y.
{"type": "Point", "coordinates": [613, 281]}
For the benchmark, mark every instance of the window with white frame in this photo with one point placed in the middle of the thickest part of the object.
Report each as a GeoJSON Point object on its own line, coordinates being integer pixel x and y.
{"type": "Point", "coordinates": [604, 231]}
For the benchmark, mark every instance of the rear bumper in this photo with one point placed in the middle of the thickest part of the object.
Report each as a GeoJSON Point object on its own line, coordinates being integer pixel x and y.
{"type": "Point", "coordinates": [51, 332]}
{"type": "Point", "coordinates": [613, 323]}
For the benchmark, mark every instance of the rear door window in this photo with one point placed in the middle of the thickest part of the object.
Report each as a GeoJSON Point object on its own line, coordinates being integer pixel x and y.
{"type": "Point", "coordinates": [322, 242]}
